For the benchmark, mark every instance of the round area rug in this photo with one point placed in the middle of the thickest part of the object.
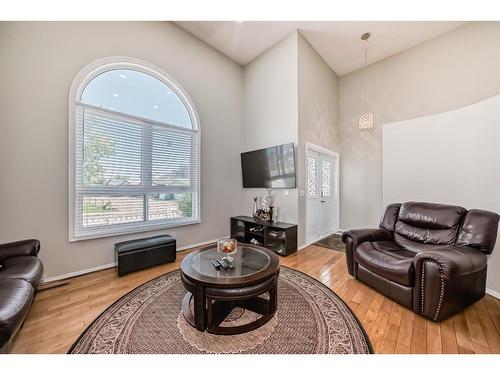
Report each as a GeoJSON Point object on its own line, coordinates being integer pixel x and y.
{"type": "Point", "coordinates": [311, 319]}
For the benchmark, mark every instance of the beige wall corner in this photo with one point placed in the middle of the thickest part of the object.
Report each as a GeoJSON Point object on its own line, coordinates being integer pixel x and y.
{"type": "Point", "coordinates": [318, 115]}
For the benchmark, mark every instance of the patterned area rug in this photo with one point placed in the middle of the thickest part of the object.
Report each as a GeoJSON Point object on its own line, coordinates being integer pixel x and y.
{"type": "Point", "coordinates": [333, 241]}
{"type": "Point", "coordinates": [310, 319]}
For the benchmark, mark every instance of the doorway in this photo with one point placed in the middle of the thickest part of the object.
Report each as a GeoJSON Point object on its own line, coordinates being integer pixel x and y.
{"type": "Point", "coordinates": [322, 192]}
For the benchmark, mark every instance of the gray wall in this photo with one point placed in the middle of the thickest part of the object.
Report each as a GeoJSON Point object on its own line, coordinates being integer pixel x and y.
{"type": "Point", "coordinates": [270, 114]}
{"type": "Point", "coordinates": [37, 65]}
{"type": "Point", "coordinates": [451, 71]}
{"type": "Point", "coordinates": [318, 114]}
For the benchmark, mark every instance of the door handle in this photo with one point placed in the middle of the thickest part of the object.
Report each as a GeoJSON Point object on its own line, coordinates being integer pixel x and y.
{"type": "Point", "coordinates": [323, 201]}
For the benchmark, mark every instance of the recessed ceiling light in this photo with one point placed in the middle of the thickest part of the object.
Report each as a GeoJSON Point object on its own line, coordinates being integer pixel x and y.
{"type": "Point", "coordinates": [123, 76]}
{"type": "Point", "coordinates": [115, 95]}
{"type": "Point", "coordinates": [168, 92]}
{"type": "Point", "coordinates": [155, 107]}
{"type": "Point", "coordinates": [111, 108]}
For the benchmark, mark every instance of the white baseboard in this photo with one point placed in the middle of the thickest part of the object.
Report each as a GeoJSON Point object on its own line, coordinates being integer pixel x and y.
{"type": "Point", "coordinates": [493, 293]}
{"type": "Point", "coordinates": [78, 273]}
{"type": "Point", "coordinates": [196, 245]}
{"type": "Point", "coordinates": [109, 265]}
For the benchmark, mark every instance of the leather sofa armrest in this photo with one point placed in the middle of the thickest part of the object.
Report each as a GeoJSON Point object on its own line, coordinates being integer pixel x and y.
{"type": "Point", "coordinates": [352, 238]}
{"type": "Point", "coordinates": [367, 235]}
{"type": "Point", "coordinates": [445, 276]}
{"type": "Point", "coordinates": [29, 247]}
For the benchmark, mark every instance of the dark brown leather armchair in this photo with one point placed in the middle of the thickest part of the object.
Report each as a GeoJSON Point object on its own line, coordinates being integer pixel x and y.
{"type": "Point", "coordinates": [428, 257]}
{"type": "Point", "coordinates": [20, 273]}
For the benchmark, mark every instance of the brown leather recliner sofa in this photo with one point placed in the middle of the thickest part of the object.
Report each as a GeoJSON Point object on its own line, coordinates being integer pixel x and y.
{"type": "Point", "coordinates": [430, 258]}
{"type": "Point", "coordinates": [20, 274]}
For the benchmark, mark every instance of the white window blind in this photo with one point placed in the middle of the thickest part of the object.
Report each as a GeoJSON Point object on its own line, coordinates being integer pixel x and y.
{"type": "Point", "coordinates": [131, 173]}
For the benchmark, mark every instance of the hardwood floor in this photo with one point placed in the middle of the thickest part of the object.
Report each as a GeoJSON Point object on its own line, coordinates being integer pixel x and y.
{"type": "Point", "coordinates": [59, 315]}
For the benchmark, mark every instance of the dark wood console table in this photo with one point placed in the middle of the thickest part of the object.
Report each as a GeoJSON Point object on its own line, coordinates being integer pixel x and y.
{"type": "Point", "coordinates": [274, 235]}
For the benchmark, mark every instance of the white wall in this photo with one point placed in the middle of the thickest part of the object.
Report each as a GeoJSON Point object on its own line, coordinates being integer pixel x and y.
{"type": "Point", "coordinates": [38, 63]}
{"type": "Point", "coordinates": [451, 71]}
{"type": "Point", "coordinates": [270, 115]}
{"type": "Point", "coordinates": [448, 158]}
{"type": "Point", "coordinates": [318, 114]}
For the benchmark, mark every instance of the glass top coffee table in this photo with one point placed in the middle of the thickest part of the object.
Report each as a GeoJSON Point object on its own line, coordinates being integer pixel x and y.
{"type": "Point", "coordinates": [212, 294]}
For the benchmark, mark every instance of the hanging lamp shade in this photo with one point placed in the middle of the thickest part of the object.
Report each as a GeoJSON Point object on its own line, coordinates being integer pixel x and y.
{"type": "Point", "coordinates": [365, 120]}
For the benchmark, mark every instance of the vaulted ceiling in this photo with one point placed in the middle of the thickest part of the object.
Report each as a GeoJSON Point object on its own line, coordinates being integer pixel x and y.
{"type": "Point", "coordinates": [338, 42]}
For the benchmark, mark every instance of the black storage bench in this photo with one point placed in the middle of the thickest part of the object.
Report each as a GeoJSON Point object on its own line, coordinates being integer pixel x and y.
{"type": "Point", "coordinates": [138, 254]}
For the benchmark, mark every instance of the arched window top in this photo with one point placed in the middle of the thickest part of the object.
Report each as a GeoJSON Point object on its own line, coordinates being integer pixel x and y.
{"type": "Point", "coordinates": [136, 93]}
{"type": "Point", "coordinates": [134, 150]}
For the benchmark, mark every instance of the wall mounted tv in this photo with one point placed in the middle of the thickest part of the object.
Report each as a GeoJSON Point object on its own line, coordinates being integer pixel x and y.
{"type": "Point", "coordinates": [272, 167]}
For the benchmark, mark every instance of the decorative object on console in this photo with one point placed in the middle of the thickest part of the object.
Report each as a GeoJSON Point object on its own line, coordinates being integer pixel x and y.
{"type": "Point", "coordinates": [275, 214]}
{"type": "Point", "coordinates": [227, 246]}
{"type": "Point", "coordinates": [267, 201]}
{"type": "Point", "coordinates": [253, 241]}
{"type": "Point", "coordinates": [265, 212]}
{"type": "Point", "coordinates": [365, 121]}
{"type": "Point", "coordinates": [255, 207]}
{"type": "Point", "coordinates": [263, 215]}
{"type": "Point", "coordinates": [428, 257]}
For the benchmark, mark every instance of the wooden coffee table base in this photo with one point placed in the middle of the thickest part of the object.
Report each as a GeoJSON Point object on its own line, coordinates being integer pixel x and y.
{"type": "Point", "coordinates": [207, 313]}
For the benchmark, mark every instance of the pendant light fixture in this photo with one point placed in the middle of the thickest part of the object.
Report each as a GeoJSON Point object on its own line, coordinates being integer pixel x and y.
{"type": "Point", "coordinates": [365, 121]}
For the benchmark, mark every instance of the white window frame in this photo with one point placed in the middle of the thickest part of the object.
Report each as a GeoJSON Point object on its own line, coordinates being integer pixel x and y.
{"type": "Point", "coordinates": [81, 80]}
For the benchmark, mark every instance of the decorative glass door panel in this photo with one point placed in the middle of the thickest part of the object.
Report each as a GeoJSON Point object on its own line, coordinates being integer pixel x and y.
{"type": "Point", "coordinates": [321, 194]}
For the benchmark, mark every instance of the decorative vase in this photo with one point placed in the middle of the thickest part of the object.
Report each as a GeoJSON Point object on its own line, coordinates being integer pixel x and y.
{"type": "Point", "coordinates": [227, 246]}
{"type": "Point", "coordinates": [255, 209]}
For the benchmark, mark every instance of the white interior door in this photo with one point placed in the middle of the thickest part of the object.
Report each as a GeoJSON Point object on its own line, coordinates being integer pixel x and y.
{"type": "Point", "coordinates": [313, 196]}
{"type": "Point", "coordinates": [328, 196]}
{"type": "Point", "coordinates": [321, 194]}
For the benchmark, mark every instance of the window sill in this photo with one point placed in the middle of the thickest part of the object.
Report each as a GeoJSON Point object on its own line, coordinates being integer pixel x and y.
{"type": "Point", "coordinates": [125, 231]}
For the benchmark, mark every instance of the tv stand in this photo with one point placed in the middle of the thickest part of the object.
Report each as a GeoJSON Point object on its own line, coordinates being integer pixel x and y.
{"type": "Point", "coordinates": [273, 235]}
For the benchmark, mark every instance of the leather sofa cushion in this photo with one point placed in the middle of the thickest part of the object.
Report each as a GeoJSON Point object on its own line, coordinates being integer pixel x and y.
{"type": "Point", "coordinates": [388, 260]}
{"type": "Point", "coordinates": [390, 217]}
{"type": "Point", "coordinates": [16, 296]}
{"type": "Point", "coordinates": [28, 268]}
{"type": "Point", "coordinates": [431, 215]}
{"type": "Point", "coordinates": [428, 223]}
{"type": "Point", "coordinates": [397, 292]}
{"type": "Point", "coordinates": [425, 235]}
{"type": "Point", "coordinates": [414, 246]}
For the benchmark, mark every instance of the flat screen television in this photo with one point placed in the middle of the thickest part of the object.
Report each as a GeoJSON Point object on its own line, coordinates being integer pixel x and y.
{"type": "Point", "coordinates": [272, 167]}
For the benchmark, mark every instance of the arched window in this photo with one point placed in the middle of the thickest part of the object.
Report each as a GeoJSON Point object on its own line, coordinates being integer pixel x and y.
{"type": "Point", "coordinates": [134, 149]}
